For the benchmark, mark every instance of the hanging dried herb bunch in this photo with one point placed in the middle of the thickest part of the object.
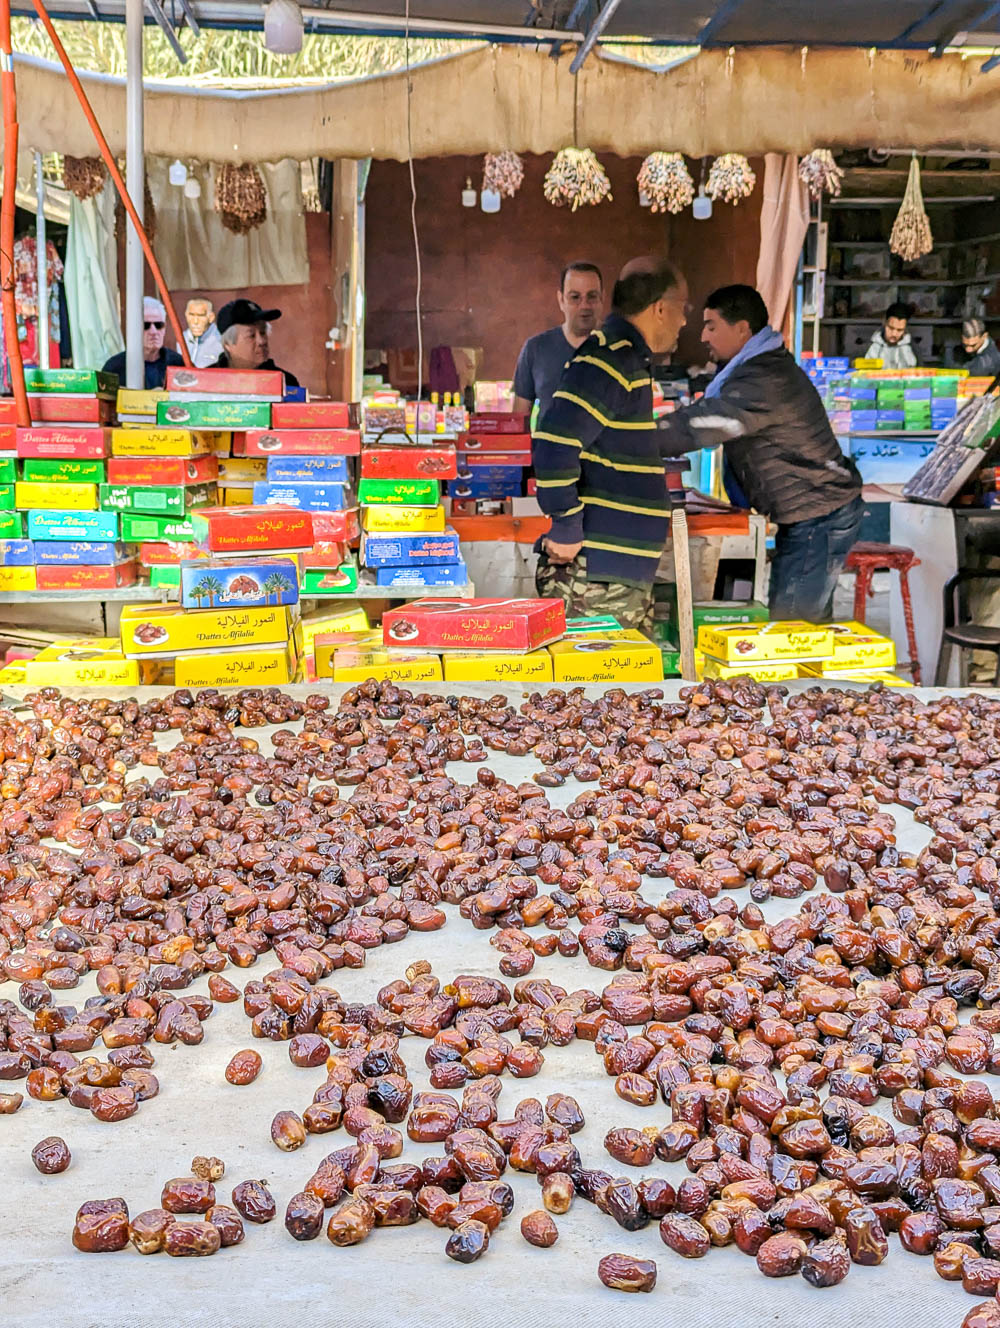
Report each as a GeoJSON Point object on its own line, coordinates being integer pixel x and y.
{"type": "Point", "coordinates": [666, 181]}
{"type": "Point", "coordinates": [240, 197]}
{"type": "Point", "coordinates": [820, 173]}
{"type": "Point", "coordinates": [911, 236]}
{"type": "Point", "coordinates": [576, 179]}
{"type": "Point", "coordinates": [148, 214]}
{"type": "Point", "coordinates": [83, 176]}
{"type": "Point", "coordinates": [503, 172]}
{"type": "Point", "coordinates": [730, 179]}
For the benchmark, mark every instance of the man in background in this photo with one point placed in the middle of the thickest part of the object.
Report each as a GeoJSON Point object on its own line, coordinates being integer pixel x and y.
{"type": "Point", "coordinates": [155, 355]}
{"type": "Point", "coordinates": [544, 357]}
{"type": "Point", "coordinates": [597, 457]}
{"type": "Point", "coordinates": [244, 329]}
{"type": "Point", "coordinates": [781, 456]}
{"type": "Point", "coordinates": [201, 335]}
{"type": "Point", "coordinates": [892, 344]}
{"type": "Point", "coordinates": [979, 353]}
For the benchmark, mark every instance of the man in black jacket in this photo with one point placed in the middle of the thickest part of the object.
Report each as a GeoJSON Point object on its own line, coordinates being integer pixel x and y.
{"type": "Point", "coordinates": [781, 456]}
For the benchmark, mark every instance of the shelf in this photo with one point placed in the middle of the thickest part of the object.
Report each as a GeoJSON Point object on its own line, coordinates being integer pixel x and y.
{"type": "Point", "coordinates": [876, 321]}
{"type": "Point", "coordinates": [368, 590]}
{"type": "Point", "coordinates": [169, 594]}
{"type": "Point", "coordinates": [938, 244]}
{"type": "Point", "coordinates": [912, 281]}
{"type": "Point", "coordinates": [907, 435]}
{"type": "Point", "coordinates": [123, 595]}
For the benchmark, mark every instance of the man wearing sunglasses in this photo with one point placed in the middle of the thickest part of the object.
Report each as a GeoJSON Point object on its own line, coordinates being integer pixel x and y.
{"type": "Point", "coordinates": [155, 355]}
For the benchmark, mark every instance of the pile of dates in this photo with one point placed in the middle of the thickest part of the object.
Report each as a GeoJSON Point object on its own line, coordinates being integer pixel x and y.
{"type": "Point", "coordinates": [154, 843]}
{"type": "Point", "coordinates": [49, 1050]}
{"type": "Point", "coordinates": [103, 1226]}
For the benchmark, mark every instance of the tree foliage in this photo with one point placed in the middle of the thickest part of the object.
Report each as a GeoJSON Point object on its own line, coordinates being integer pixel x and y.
{"type": "Point", "coordinates": [218, 56]}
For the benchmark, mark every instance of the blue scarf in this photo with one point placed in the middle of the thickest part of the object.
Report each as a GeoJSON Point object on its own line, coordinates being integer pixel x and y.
{"type": "Point", "coordinates": [759, 344]}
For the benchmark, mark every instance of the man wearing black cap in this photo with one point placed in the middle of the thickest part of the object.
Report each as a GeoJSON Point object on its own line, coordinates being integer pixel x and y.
{"type": "Point", "coordinates": [243, 325]}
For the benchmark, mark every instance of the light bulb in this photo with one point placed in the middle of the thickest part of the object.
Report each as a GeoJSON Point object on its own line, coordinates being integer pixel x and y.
{"type": "Point", "coordinates": [177, 173]}
{"type": "Point", "coordinates": [489, 200]}
{"type": "Point", "coordinates": [701, 208]}
{"type": "Point", "coordinates": [192, 187]}
{"type": "Point", "coordinates": [469, 196]}
{"type": "Point", "coordinates": [283, 27]}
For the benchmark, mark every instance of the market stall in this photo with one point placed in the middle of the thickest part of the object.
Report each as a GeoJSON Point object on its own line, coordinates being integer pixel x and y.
{"type": "Point", "coordinates": [452, 511]}
{"type": "Point", "coordinates": [752, 934]}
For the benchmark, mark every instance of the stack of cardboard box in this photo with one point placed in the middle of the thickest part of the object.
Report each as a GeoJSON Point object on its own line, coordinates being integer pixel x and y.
{"type": "Point", "coordinates": [237, 622]}
{"type": "Point", "coordinates": [58, 538]}
{"type": "Point", "coordinates": [494, 460]}
{"type": "Point", "coordinates": [406, 540]}
{"type": "Point", "coordinates": [306, 453]}
{"type": "Point", "coordinates": [780, 651]}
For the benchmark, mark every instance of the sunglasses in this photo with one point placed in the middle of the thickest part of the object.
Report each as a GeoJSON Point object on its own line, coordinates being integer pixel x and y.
{"type": "Point", "coordinates": [158, 326]}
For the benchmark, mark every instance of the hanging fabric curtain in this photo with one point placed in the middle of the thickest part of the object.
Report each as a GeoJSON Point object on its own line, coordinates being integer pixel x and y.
{"type": "Point", "coordinates": [91, 280]}
{"type": "Point", "coordinates": [197, 252]}
{"type": "Point", "coordinates": [784, 220]}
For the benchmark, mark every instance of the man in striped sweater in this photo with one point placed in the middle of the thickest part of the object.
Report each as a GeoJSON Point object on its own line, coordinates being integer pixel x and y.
{"type": "Point", "coordinates": [597, 457]}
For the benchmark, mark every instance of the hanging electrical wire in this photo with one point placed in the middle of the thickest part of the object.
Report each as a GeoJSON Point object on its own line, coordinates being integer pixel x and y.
{"type": "Point", "coordinates": [418, 310]}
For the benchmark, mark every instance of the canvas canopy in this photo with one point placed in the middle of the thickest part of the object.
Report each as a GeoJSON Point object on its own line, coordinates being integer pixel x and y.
{"type": "Point", "coordinates": [489, 98]}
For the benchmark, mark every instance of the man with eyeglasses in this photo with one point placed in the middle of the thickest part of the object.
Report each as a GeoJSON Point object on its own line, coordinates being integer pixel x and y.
{"type": "Point", "coordinates": [544, 356]}
{"type": "Point", "coordinates": [155, 355]}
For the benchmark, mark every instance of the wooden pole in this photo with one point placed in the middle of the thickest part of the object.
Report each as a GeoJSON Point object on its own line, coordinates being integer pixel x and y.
{"type": "Point", "coordinates": [685, 599]}
{"type": "Point", "coordinates": [7, 209]}
{"type": "Point", "coordinates": [113, 171]}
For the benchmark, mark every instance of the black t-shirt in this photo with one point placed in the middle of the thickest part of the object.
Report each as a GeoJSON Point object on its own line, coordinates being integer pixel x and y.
{"type": "Point", "coordinates": [156, 370]}
{"type": "Point", "coordinates": [540, 365]}
{"type": "Point", "coordinates": [290, 380]}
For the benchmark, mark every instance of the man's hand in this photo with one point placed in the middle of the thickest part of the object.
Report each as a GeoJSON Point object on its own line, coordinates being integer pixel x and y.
{"type": "Point", "coordinates": [560, 554]}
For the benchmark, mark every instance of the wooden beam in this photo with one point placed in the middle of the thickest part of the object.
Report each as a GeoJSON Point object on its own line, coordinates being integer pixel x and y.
{"type": "Point", "coordinates": [685, 597]}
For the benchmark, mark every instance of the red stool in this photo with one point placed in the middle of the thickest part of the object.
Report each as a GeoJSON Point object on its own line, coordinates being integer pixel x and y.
{"type": "Point", "coordinates": [867, 559]}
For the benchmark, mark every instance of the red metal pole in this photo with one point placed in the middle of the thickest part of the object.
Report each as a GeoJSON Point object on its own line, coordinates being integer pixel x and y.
{"type": "Point", "coordinates": [9, 90]}
{"type": "Point", "coordinates": [113, 171]}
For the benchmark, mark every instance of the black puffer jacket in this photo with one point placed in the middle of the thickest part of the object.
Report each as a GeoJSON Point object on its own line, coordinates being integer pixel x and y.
{"type": "Point", "coordinates": [777, 439]}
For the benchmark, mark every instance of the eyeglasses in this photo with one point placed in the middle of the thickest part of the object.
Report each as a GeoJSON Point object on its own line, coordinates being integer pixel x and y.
{"type": "Point", "coordinates": [158, 326]}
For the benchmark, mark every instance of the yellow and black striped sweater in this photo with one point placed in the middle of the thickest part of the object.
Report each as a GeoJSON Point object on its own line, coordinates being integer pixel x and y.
{"type": "Point", "coordinates": [597, 459]}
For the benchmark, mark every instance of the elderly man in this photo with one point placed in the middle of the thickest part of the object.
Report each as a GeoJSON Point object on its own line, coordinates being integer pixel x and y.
{"type": "Point", "coordinates": [201, 334]}
{"type": "Point", "coordinates": [243, 326]}
{"type": "Point", "coordinates": [155, 355]}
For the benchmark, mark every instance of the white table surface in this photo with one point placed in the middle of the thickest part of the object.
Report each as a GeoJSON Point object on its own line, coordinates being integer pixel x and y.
{"type": "Point", "coordinates": [398, 1276]}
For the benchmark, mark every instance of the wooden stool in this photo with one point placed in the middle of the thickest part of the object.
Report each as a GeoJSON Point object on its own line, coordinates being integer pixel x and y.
{"type": "Point", "coordinates": [865, 560]}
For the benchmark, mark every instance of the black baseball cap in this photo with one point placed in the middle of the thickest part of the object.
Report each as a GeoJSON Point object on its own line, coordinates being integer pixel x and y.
{"type": "Point", "coordinates": [244, 311]}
